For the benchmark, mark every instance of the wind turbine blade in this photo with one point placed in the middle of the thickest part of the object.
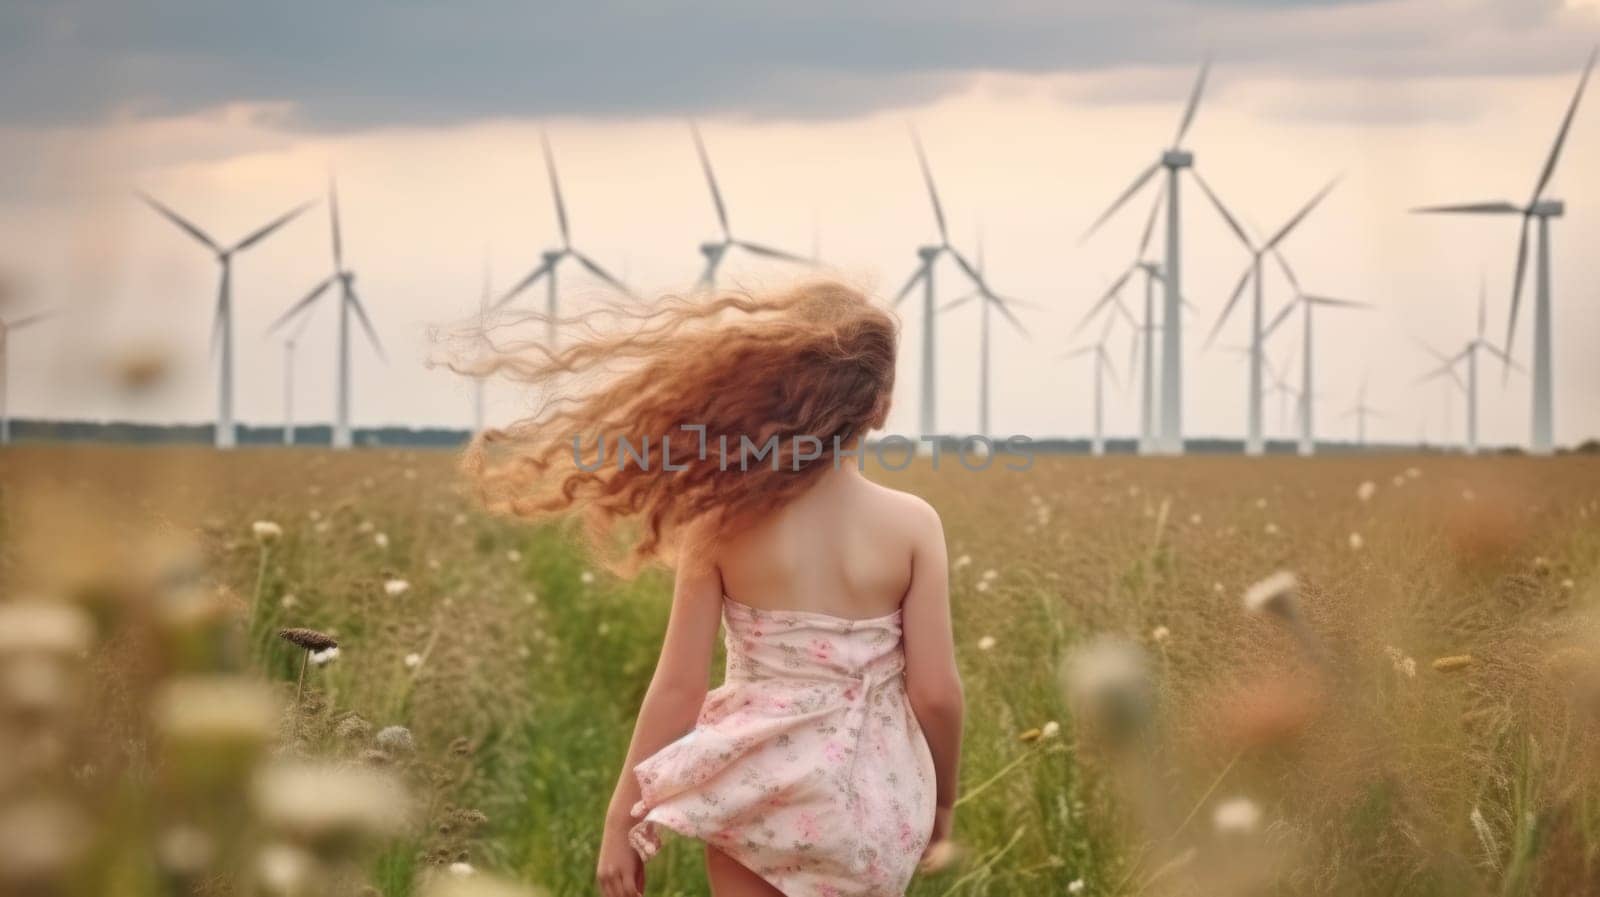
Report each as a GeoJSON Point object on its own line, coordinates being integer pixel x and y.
{"type": "Point", "coordinates": [1471, 208]}
{"type": "Point", "coordinates": [265, 231]}
{"type": "Point", "coordinates": [1222, 210]}
{"type": "Point", "coordinates": [1102, 302]}
{"type": "Point", "coordinates": [29, 320]}
{"type": "Point", "coordinates": [1005, 311]}
{"type": "Point", "coordinates": [1279, 318]}
{"type": "Point", "coordinates": [1428, 347]}
{"type": "Point", "coordinates": [1150, 222]}
{"type": "Point", "coordinates": [770, 252]}
{"type": "Point", "coordinates": [555, 189]}
{"type": "Point", "coordinates": [916, 276]}
{"type": "Point", "coordinates": [532, 278]}
{"type": "Point", "coordinates": [1446, 370]}
{"type": "Point", "coordinates": [338, 238]}
{"type": "Point", "coordinates": [1300, 216]}
{"type": "Point", "coordinates": [216, 318]}
{"type": "Point", "coordinates": [1104, 358]}
{"type": "Point", "coordinates": [1336, 303]}
{"type": "Point", "coordinates": [366, 324]}
{"type": "Point", "coordinates": [315, 293]}
{"type": "Point", "coordinates": [971, 272]}
{"type": "Point", "coordinates": [711, 180]}
{"type": "Point", "coordinates": [1078, 352]}
{"type": "Point", "coordinates": [1238, 292]}
{"type": "Point", "coordinates": [1516, 283]}
{"type": "Point", "coordinates": [1138, 184]}
{"type": "Point", "coordinates": [1133, 350]}
{"type": "Point", "coordinates": [933, 192]}
{"type": "Point", "coordinates": [1288, 272]}
{"type": "Point", "coordinates": [1509, 361]}
{"type": "Point", "coordinates": [957, 303]}
{"type": "Point", "coordinates": [1194, 103]}
{"type": "Point", "coordinates": [188, 227]}
{"type": "Point", "coordinates": [595, 269]}
{"type": "Point", "coordinates": [1561, 135]}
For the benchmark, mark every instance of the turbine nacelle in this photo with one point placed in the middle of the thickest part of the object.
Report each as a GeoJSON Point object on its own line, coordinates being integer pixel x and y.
{"type": "Point", "coordinates": [929, 253]}
{"type": "Point", "coordinates": [1548, 208]}
{"type": "Point", "coordinates": [1177, 158]}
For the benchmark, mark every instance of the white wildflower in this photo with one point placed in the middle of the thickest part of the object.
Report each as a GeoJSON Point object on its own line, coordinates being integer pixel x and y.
{"type": "Point", "coordinates": [1236, 816]}
{"type": "Point", "coordinates": [1050, 730]}
{"type": "Point", "coordinates": [381, 540]}
{"type": "Point", "coordinates": [462, 870]}
{"type": "Point", "coordinates": [586, 577]}
{"type": "Point", "coordinates": [514, 556]}
{"type": "Point", "coordinates": [1366, 490]}
{"type": "Point", "coordinates": [1271, 529]}
{"type": "Point", "coordinates": [266, 531]}
{"type": "Point", "coordinates": [985, 643]}
{"type": "Point", "coordinates": [1275, 594]}
{"type": "Point", "coordinates": [991, 574]}
{"type": "Point", "coordinates": [1356, 542]}
{"type": "Point", "coordinates": [325, 656]}
{"type": "Point", "coordinates": [394, 588]}
{"type": "Point", "coordinates": [1075, 886]}
{"type": "Point", "coordinates": [1160, 634]}
{"type": "Point", "coordinates": [413, 660]}
{"type": "Point", "coordinates": [963, 561]}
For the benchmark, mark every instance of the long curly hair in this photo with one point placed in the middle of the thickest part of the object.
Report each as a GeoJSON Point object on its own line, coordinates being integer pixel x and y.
{"type": "Point", "coordinates": [812, 365]}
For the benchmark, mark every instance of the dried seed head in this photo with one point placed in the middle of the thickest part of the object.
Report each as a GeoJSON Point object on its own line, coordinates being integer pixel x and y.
{"type": "Point", "coordinates": [1276, 595]}
{"type": "Point", "coordinates": [309, 639]}
{"type": "Point", "coordinates": [395, 739]}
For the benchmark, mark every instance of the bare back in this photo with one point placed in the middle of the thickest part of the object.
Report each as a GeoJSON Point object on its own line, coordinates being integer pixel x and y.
{"type": "Point", "coordinates": [845, 548]}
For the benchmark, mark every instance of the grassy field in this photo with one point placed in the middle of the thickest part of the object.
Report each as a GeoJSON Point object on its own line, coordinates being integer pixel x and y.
{"type": "Point", "coordinates": [1333, 758]}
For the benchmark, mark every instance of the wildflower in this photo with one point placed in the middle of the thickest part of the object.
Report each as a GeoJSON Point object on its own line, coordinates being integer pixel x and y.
{"type": "Point", "coordinates": [395, 738]}
{"type": "Point", "coordinates": [409, 473]}
{"type": "Point", "coordinates": [1452, 663]}
{"type": "Point", "coordinates": [1366, 490]}
{"type": "Point", "coordinates": [1217, 587]}
{"type": "Point", "coordinates": [1160, 634]}
{"type": "Point", "coordinates": [460, 520]}
{"type": "Point", "coordinates": [1261, 503]}
{"type": "Point", "coordinates": [325, 656]}
{"type": "Point", "coordinates": [1075, 886]}
{"type": "Point", "coordinates": [1408, 667]}
{"type": "Point", "coordinates": [1236, 816]}
{"type": "Point", "coordinates": [1399, 480]}
{"type": "Point", "coordinates": [963, 561]}
{"type": "Point", "coordinates": [365, 527]}
{"type": "Point", "coordinates": [991, 575]}
{"type": "Point", "coordinates": [982, 586]}
{"type": "Point", "coordinates": [1271, 529]}
{"type": "Point", "coordinates": [1568, 584]}
{"type": "Point", "coordinates": [462, 870]}
{"type": "Point", "coordinates": [283, 868]}
{"type": "Point", "coordinates": [289, 601]}
{"type": "Point", "coordinates": [1273, 595]}
{"type": "Point", "coordinates": [586, 577]}
{"type": "Point", "coordinates": [1050, 730]}
{"type": "Point", "coordinates": [413, 660]}
{"type": "Point", "coordinates": [394, 588]}
{"type": "Point", "coordinates": [1356, 542]}
{"type": "Point", "coordinates": [266, 531]}
{"type": "Point", "coordinates": [985, 643]}
{"type": "Point", "coordinates": [48, 627]}
{"type": "Point", "coordinates": [514, 556]}
{"type": "Point", "coordinates": [1413, 473]}
{"type": "Point", "coordinates": [381, 540]}
{"type": "Point", "coordinates": [309, 639]}
{"type": "Point", "coordinates": [353, 728]}
{"type": "Point", "coordinates": [1195, 519]}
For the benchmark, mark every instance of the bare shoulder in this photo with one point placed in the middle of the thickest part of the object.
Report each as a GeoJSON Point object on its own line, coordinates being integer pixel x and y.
{"type": "Point", "coordinates": [910, 513]}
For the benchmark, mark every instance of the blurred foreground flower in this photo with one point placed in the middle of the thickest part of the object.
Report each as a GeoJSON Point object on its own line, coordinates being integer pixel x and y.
{"type": "Point", "coordinates": [1236, 816]}
{"type": "Point", "coordinates": [320, 804]}
{"type": "Point", "coordinates": [1366, 490]}
{"type": "Point", "coordinates": [1108, 683]}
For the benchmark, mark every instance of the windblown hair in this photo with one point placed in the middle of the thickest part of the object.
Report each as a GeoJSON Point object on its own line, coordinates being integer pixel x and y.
{"type": "Point", "coordinates": [816, 360]}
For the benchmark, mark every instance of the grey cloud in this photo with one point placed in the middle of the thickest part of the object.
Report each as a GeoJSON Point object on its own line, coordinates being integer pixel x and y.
{"type": "Point", "coordinates": [368, 63]}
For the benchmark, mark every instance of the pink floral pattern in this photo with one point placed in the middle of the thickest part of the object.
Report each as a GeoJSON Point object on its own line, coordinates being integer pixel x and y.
{"type": "Point", "coordinates": [807, 765]}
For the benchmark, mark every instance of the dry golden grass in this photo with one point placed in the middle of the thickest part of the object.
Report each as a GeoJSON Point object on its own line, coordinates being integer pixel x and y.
{"type": "Point", "coordinates": [1342, 751]}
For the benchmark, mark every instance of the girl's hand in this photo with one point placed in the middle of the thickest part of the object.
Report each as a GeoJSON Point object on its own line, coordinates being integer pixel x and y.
{"type": "Point", "coordinates": [941, 850]}
{"type": "Point", "coordinates": [619, 871]}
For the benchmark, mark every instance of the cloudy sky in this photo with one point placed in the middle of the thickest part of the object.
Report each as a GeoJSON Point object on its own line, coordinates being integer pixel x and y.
{"type": "Point", "coordinates": [1035, 116]}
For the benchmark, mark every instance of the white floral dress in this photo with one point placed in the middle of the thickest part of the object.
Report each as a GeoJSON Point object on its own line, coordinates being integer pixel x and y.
{"type": "Point", "coordinates": [807, 766]}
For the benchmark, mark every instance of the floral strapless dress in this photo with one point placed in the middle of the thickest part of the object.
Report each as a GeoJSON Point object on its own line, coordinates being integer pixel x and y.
{"type": "Point", "coordinates": [807, 766]}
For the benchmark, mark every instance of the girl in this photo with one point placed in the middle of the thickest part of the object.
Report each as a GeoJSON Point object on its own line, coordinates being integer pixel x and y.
{"type": "Point", "coordinates": [825, 765]}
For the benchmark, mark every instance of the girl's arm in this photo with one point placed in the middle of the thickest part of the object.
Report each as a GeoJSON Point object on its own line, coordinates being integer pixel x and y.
{"type": "Point", "coordinates": [932, 681]}
{"type": "Point", "coordinates": [671, 705]}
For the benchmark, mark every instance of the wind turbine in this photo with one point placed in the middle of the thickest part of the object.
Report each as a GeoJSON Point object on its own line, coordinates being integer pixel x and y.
{"type": "Point", "coordinates": [1469, 354]}
{"type": "Point", "coordinates": [1254, 441]}
{"type": "Point", "coordinates": [225, 435]}
{"type": "Point", "coordinates": [546, 270]}
{"type": "Point", "coordinates": [289, 345]}
{"type": "Point", "coordinates": [1282, 388]}
{"type": "Point", "coordinates": [1175, 160]}
{"type": "Point", "coordinates": [928, 255]}
{"type": "Point", "coordinates": [1309, 303]}
{"type": "Point", "coordinates": [983, 340]}
{"type": "Point", "coordinates": [1361, 411]}
{"type": "Point", "coordinates": [6, 327]}
{"type": "Point", "coordinates": [1102, 366]}
{"type": "Point", "coordinates": [1541, 209]}
{"type": "Point", "coordinates": [348, 302]}
{"type": "Point", "coordinates": [715, 251]}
